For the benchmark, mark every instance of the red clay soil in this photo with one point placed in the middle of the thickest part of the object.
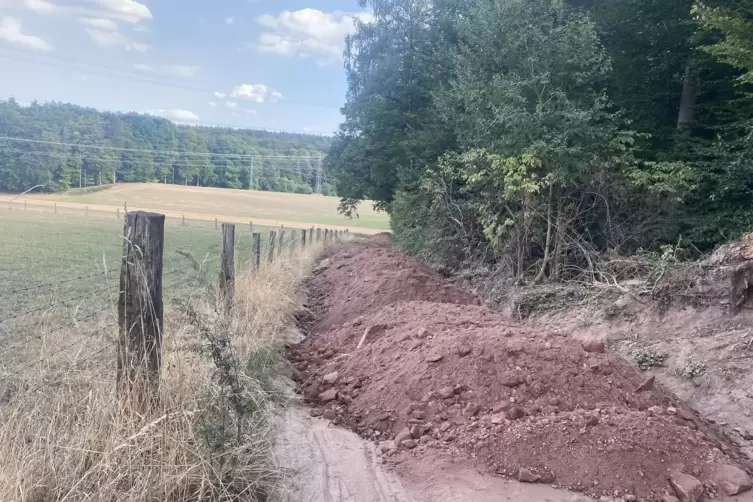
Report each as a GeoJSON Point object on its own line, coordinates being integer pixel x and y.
{"type": "Point", "coordinates": [468, 381]}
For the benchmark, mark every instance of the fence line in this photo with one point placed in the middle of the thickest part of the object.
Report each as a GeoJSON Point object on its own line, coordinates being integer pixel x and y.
{"type": "Point", "coordinates": [141, 286]}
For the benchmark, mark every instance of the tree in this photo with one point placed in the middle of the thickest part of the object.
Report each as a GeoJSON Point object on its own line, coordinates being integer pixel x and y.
{"type": "Point", "coordinates": [82, 143]}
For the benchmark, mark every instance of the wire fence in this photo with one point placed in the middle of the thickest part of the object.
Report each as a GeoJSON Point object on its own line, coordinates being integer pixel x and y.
{"type": "Point", "coordinates": [68, 322]}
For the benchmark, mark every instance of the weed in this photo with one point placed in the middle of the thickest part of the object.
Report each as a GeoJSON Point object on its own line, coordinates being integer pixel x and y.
{"type": "Point", "coordinates": [648, 358]}
{"type": "Point", "coordinates": [692, 370]}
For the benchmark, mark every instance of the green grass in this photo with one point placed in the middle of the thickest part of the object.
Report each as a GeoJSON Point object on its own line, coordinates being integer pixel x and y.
{"type": "Point", "coordinates": [40, 248]}
{"type": "Point", "coordinates": [281, 207]}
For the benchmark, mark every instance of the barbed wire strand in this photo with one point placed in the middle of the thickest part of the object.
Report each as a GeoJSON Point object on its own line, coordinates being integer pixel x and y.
{"type": "Point", "coordinates": [53, 305]}
{"type": "Point", "coordinates": [63, 349]}
{"type": "Point", "coordinates": [55, 330]}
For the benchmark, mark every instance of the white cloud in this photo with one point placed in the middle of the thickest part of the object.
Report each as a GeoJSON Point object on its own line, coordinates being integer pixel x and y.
{"type": "Point", "coordinates": [308, 33]}
{"type": "Point", "coordinates": [220, 95]}
{"type": "Point", "coordinates": [114, 39]}
{"type": "Point", "coordinates": [255, 92]}
{"type": "Point", "coordinates": [249, 111]}
{"type": "Point", "coordinates": [140, 28]}
{"type": "Point", "coordinates": [101, 23]}
{"type": "Point", "coordinates": [229, 20]}
{"type": "Point", "coordinates": [212, 104]}
{"type": "Point", "coordinates": [41, 6]}
{"type": "Point", "coordinates": [177, 114]}
{"type": "Point", "coordinates": [231, 104]}
{"type": "Point", "coordinates": [129, 11]}
{"type": "Point", "coordinates": [11, 31]}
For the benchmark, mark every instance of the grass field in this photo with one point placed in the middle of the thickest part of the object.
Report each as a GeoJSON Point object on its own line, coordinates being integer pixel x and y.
{"type": "Point", "coordinates": [64, 434]}
{"type": "Point", "coordinates": [273, 208]}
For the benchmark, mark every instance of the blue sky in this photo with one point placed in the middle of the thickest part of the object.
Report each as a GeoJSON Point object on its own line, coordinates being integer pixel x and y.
{"type": "Point", "coordinates": [274, 64]}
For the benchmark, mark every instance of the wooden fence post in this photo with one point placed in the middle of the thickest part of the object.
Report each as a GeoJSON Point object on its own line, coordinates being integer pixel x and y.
{"type": "Point", "coordinates": [117, 213]}
{"type": "Point", "coordinates": [227, 264]}
{"type": "Point", "coordinates": [281, 243]}
{"type": "Point", "coordinates": [140, 310]}
{"type": "Point", "coordinates": [303, 239]}
{"type": "Point", "coordinates": [183, 219]}
{"type": "Point", "coordinates": [56, 207]}
{"type": "Point", "coordinates": [326, 235]}
{"type": "Point", "coordinates": [271, 250]}
{"type": "Point", "coordinates": [311, 236]}
{"type": "Point", "coordinates": [318, 234]}
{"type": "Point", "coordinates": [293, 240]}
{"type": "Point", "coordinates": [256, 250]}
{"type": "Point", "coordinates": [251, 227]}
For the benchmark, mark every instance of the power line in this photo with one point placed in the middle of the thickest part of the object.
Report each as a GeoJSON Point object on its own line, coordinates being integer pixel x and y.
{"type": "Point", "coordinates": [152, 152]}
{"type": "Point", "coordinates": [125, 75]}
{"type": "Point", "coordinates": [205, 124]}
{"type": "Point", "coordinates": [178, 164]}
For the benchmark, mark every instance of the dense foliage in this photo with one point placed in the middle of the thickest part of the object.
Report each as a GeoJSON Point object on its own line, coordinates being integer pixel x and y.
{"type": "Point", "coordinates": [539, 135]}
{"type": "Point", "coordinates": [66, 146]}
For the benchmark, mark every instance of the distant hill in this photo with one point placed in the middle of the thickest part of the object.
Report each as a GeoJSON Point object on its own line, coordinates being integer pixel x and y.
{"type": "Point", "coordinates": [61, 145]}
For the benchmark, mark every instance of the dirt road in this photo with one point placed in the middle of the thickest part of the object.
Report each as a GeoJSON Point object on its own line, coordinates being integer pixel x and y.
{"type": "Point", "coordinates": [323, 463]}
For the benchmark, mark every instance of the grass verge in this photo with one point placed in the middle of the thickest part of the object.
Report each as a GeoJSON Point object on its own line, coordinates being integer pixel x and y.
{"type": "Point", "coordinates": [63, 436]}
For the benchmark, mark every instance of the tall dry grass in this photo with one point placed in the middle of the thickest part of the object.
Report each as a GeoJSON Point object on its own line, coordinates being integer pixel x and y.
{"type": "Point", "coordinates": [63, 437]}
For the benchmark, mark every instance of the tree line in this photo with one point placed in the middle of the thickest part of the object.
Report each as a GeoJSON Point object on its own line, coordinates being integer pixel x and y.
{"type": "Point", "coordinates": [541, 134]}
{"type": "Point", "coordinates": [62, 146]}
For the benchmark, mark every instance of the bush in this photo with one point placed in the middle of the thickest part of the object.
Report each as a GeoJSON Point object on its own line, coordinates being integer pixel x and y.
{"type": "Point", "coordinates": [304, 189]}
{"type": "Point", "coordinates": [328, 189]}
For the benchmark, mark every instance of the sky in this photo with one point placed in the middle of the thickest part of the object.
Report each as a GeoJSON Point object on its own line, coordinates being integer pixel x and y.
{"type": "Point", "coordinates": [268, 64]}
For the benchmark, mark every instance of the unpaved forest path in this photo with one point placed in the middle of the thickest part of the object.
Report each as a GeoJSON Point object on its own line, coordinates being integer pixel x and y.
{"type": "Point", "coordinates": [452, 401]}
{"type": "Point", "coordinates": [325, 463]}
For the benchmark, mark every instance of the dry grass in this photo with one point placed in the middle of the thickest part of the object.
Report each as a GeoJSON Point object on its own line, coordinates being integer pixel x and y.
{"type": "Point", "coordinates": [64, 438]}
{"type": "Point", "coordinates": [225, 203]}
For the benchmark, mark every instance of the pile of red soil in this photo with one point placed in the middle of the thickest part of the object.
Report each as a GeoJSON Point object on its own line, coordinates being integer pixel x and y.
{"type": "Point", "coordinates": [400, 356]}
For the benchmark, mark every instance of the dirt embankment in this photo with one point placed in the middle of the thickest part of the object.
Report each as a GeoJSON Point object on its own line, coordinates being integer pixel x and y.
{"type": "Point", "coordinates": [401, 357]}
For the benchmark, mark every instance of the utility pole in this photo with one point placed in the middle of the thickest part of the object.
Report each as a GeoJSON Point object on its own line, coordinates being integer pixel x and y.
{"type": "Point", "coordinates": [100, 177]}
{"type": "Point", "coordinates": [251, 175]}
{"type": "Point", "coordinates": [80, 170]}
{"type": "Point", "coordinates": [319, 175]}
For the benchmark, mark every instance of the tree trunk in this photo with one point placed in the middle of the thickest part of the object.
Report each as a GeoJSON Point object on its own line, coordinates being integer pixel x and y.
{"type": "Point", "coordinates": [544, 263]}
{"type": "Point", "coordinates": [687, 101]}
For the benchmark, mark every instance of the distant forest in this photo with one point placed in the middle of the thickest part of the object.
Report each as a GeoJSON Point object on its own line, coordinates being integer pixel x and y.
{"type": "Point", "coordinates": [64, 146]}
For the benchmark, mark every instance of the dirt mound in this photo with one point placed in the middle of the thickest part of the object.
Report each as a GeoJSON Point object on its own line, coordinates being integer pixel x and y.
{"type": "Point", "coordinates": [734, 252]}
{"type": "Point", "coordinates": [406, 360]}
{"type": "Point", "coordinates": [359, 278]}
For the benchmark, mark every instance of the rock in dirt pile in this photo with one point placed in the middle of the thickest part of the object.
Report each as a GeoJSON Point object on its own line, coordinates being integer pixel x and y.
{"type": "Point", "coordinates": [403, 358]}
